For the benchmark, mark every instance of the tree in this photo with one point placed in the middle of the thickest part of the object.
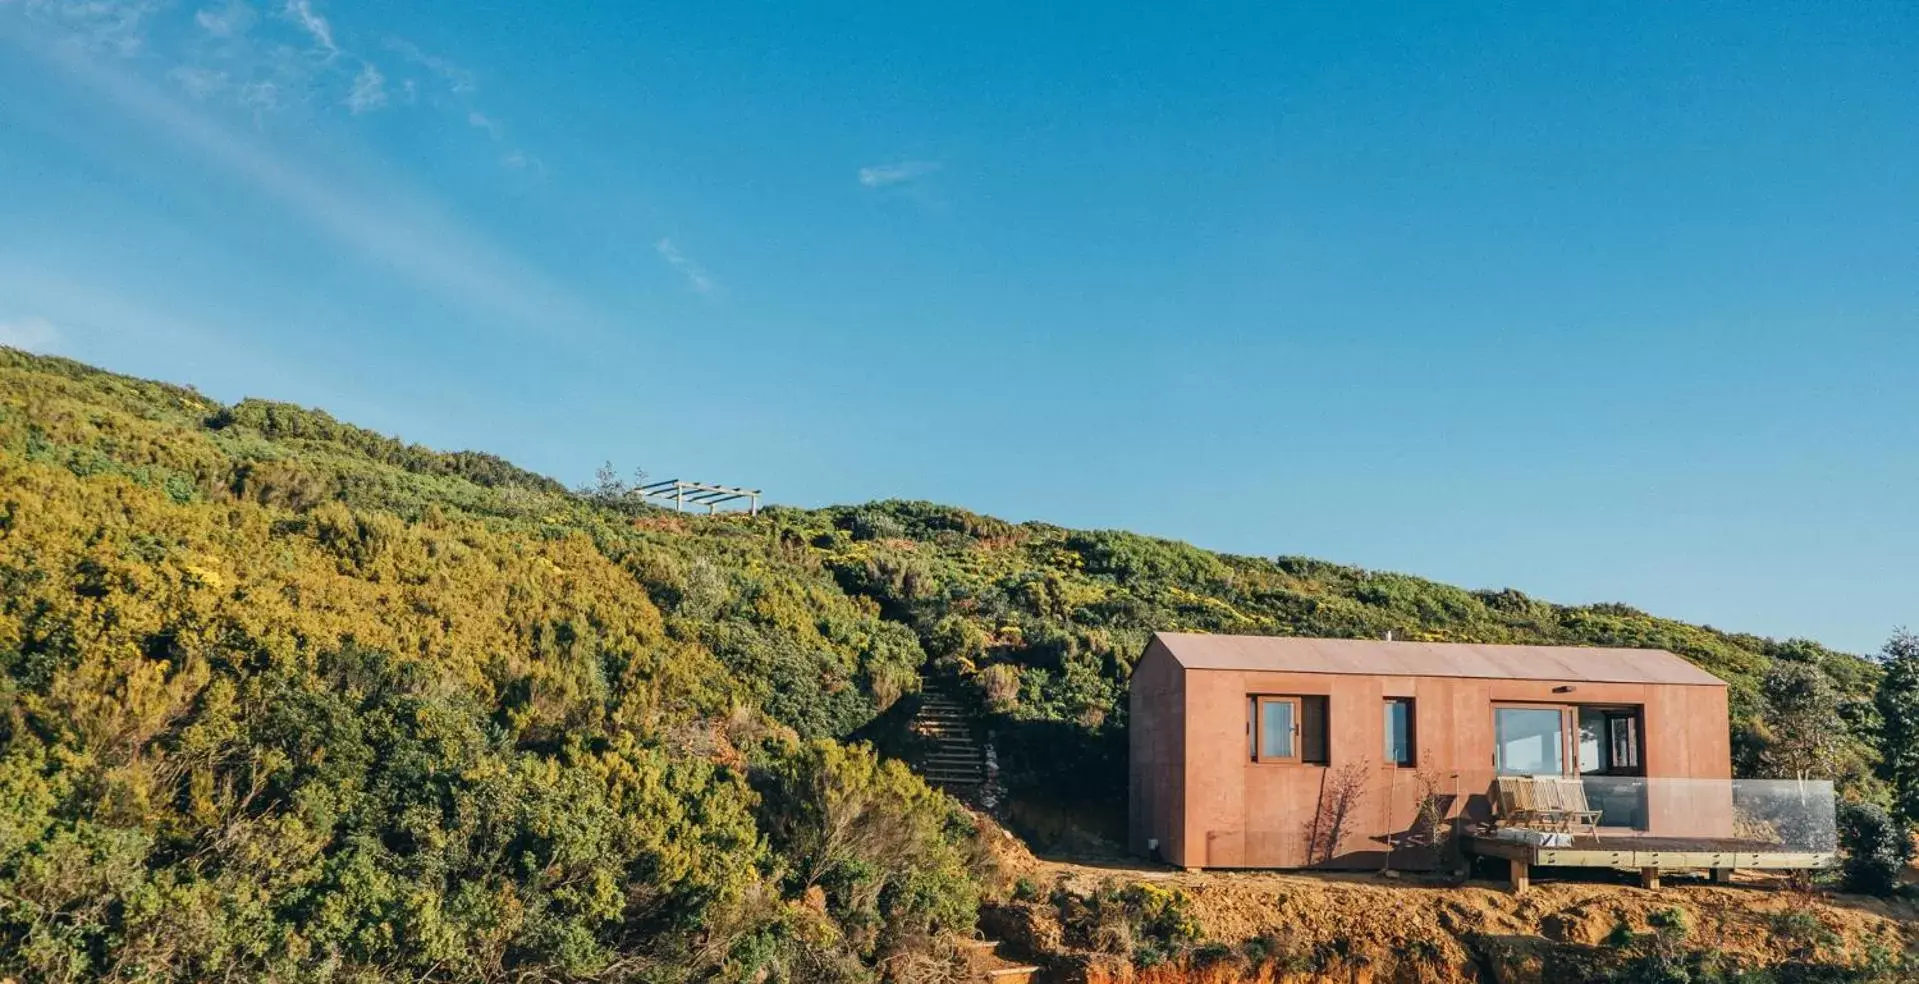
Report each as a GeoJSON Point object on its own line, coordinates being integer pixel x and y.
{"type": "Point", "coordinates": [610, 489]}
{"type": "Point", "coordinates": [1898, 701]}
{"type": "Point", "coordinates": [1800, 733]}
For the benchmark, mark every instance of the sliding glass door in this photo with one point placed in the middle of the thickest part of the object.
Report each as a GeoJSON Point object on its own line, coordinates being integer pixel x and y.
{"type": "Point", "coordinates": [1600, 745]}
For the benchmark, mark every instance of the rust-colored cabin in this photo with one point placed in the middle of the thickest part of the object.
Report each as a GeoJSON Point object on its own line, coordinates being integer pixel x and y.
{"type": "Point", "coordinates": [1270, 752]}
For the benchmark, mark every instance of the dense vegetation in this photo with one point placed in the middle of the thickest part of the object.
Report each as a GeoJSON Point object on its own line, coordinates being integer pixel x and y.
{"type": "Point", "coordinates": [284, 699]}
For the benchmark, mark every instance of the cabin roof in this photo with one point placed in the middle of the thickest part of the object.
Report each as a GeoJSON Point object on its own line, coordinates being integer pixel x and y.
{"type": "Point", "coordinates": [1367, 657]}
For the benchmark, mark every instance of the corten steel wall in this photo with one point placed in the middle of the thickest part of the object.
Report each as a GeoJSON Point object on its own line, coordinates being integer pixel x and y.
{"type": "Point", "coordinates": [1156, 739]}
{"type": "Point", "coordinates": [1240, 813]}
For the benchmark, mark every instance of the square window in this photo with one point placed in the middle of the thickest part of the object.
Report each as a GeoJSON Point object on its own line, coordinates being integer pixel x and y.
{"type": "Point", "coordinates": [1286, 729]}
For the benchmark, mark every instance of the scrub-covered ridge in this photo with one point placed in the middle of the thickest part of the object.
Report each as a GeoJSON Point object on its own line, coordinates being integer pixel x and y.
{"type": "Point", "coordinates": [283, 699]}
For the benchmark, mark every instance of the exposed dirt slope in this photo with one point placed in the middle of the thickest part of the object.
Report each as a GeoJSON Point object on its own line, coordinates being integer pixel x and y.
{"type": "Point", "coordinates": [1347, 927]}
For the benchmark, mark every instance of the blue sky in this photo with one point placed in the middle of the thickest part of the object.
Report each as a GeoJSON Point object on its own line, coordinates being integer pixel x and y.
{"type": "Point", "coordinates": [1603, 302]}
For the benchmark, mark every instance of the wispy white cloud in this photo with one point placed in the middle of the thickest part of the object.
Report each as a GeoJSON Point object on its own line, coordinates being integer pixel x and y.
{"type": "Point", "coordinates": [515, 158]}
{"type": "Point", "coordinates": [263, 68]}
{"type": "Point", "coordinates": [200, 83]}
{"type": "Point", "coordinates": [696, 275]}
{"type": "Point", "coordinates": [480, 121]}
{"type": "Point", "coordinates": [410, 236]}
{"type": "Point", "coordinates": [520, 160]}
{"type": "Point", "coordinates": [260, 96]}
{"type": "Point", "coordinates": [456, 78]}
{"type": "Point", "coordinates": [316, 26]}
{"type": "Point", "coordinates": [300, 59]}
{"type": "Point", "coordinates": [232, 20]}
{"type": "Point", "coordinates": [100, 25]}
{"type": "Point", "coordinates": [31, 334]}
{"type": "Point", "coordinates": [369, 90]}
{"type": "Point", "coordinates": [456, 86]}
{"type": "Point", "coordinates": [885, 175]}
{"type": "Point", "coordinates": [204, 84]}
{"type": "Point", "coordinates": [219, 58]}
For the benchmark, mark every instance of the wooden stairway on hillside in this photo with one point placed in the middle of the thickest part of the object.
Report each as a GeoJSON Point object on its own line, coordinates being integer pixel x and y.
{"type": "Point", "coordinates": [954, 761]}
{"type": "Point", "coordinates": [991, 967]}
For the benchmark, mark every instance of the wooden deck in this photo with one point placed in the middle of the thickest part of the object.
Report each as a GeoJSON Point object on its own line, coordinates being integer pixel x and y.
{"type": "Point", "coordinates": [1649, 855]}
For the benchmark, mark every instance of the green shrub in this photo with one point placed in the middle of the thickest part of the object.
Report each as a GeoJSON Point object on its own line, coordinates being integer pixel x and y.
{"type": "Point", "coordinates": [1209, 955]}
{"type": "Point", "coordinates": [1001, 683]}
{"type": "Point", "coordinates": [1163, 915]}
{"type": "Point", "coordinates": [1283, 953]}
{"type": "Point", "coordinates": [1803, 932]}
{"type": "Point", "coordinates": [885, 848]}
{"type": "Point", "coordinates": [1129, 557]}
{"type": "Point", "coordinates": [1876, 848]}
{"type": "Point", "coordinates": [1670, 920]}
{"type": "Point", "coordinates": [1659, 956]}
{"type": "Point", "coordinates": [872, 524]}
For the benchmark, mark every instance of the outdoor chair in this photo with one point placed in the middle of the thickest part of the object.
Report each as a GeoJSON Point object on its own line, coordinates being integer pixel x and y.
{"type": "Point", "coordinates": [1543, 802]}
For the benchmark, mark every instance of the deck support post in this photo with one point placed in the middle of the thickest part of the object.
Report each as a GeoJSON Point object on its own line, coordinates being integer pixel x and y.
{"type": "Point", "coordinates": [1649, 878]}
{"type": "Point", "coordinates": [1722, 876]}
{"type": "Point", "coordinates": [1520, 875]}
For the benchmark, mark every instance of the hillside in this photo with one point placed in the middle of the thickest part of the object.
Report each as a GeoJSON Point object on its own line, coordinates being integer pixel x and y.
{"type": "Point", "coordinates": [283, 698]}
{"type": "Point", "coordinates": [1116, 924]}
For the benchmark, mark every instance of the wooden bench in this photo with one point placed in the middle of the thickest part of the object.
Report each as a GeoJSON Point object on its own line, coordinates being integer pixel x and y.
{"type": "Point", "coordinates": [1543, 802]}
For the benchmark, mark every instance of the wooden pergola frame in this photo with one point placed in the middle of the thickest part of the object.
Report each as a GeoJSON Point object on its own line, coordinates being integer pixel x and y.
{"type": "Point", "coordinates": [681, 493]}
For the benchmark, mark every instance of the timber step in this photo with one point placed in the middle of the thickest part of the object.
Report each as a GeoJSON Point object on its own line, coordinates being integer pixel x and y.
{"type": "Point", "coordinates": [953, 758]}
{"type": "Point", "coordinates": [992, 966]}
